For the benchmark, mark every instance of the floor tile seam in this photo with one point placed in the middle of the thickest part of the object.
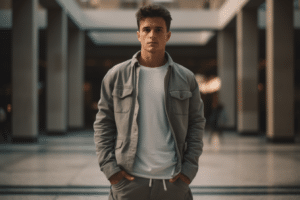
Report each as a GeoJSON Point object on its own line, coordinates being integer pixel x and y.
{"type": "Point", "coordinates": [100, 193]}
{"type": "Point", "coordinates": [70, 186]}
{"type": "Point", "coordinates": [65, 186]}
{"type": "Point", "coordinates": [195, 191]}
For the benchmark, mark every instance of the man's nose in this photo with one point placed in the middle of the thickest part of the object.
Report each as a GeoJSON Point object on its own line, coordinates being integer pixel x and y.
{"type": "Point", "coordinates": [152, 33]}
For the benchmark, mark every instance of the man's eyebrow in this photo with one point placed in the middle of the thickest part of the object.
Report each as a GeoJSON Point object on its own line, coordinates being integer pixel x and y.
{"type": "Point", "coordinates": [149, 27]}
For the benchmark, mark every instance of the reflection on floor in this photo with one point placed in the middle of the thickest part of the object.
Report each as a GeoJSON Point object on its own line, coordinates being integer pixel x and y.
{"type": "Point", "coordinates": [232, 167]}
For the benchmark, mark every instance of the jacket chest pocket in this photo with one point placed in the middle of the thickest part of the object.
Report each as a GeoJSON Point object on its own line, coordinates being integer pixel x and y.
{"type": "Point", "coordinates": [122, 99]}
{"type": "Point", "coordinates": [180, 102]}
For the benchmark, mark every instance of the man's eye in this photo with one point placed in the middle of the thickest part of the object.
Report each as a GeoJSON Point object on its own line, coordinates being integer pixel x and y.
{"type": "Point", "coordinates": [147, 30]}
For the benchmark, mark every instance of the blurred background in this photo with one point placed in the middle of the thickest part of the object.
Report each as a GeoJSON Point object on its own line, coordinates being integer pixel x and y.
{"type": "Point", "coordinates": [245, 55]}
{"type": "Point", "coordinates": [72, 44]}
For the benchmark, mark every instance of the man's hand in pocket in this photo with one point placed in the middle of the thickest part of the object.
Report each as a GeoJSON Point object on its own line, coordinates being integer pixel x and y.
{"type": "Point", "coordinates": [183, 177]}
{"type": "Point", "coordinates": [117, 177]}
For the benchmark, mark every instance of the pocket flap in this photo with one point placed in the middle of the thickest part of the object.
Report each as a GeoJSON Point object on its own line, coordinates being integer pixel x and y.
{"type": "Point", "coordinates": [122, 92]}
{"type": "Point", "coordinates": [181, 95]}
{"type": "Point", "coordinates": [119, 144]}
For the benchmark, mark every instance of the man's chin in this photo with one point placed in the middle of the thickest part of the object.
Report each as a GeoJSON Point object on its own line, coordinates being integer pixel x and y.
{"type": "Point", "coordinates": [152, 50]}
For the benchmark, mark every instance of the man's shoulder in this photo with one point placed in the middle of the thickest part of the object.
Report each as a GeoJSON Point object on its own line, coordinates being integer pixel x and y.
{"type": "Point", "coordinates": [183, 70]}
{"type": "Point", "coordinates": [118, 68]}
{"type": "Point", "coordinates": [182, 73]}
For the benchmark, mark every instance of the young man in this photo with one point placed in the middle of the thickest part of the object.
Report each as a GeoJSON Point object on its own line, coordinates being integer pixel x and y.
{"type": "Point", "coordinates": [150, 124]}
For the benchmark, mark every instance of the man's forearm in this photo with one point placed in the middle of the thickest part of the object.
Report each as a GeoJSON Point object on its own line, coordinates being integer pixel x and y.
{"type": "Point", "coordinates": [106, 153]}
{"type": "Point", "coordinates": [105, 131]}
{"type": "Point", "coordinates": [194, 138]}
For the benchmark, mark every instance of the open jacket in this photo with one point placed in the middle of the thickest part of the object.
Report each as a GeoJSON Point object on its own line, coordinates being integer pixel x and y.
{"type": "Point", "coordinates": [116, 128]}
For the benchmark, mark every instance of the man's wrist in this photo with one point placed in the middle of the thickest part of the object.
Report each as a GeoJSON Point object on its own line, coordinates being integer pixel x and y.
{"type": "Point", "coordinates": [185, 178]}
{"type": "Point", "coordinates": [116, 175]}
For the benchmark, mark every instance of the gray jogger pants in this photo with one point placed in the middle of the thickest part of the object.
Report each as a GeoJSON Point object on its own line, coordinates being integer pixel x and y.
{"type": "Point", "coordinates": [142, 189]}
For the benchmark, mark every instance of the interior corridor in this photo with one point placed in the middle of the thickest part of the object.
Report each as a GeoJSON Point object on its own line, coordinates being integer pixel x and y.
{"type": "Point", "coordinates": [231, 167]}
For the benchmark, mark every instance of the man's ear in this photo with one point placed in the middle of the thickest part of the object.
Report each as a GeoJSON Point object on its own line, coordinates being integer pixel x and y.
{"type": "Point", "coordinates": [168, 36]}
{"type": "Point", "coordinates": [138, 35]}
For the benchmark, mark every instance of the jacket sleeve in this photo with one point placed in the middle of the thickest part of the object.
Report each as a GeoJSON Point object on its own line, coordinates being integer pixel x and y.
{"type": "Point", "coordinates": [105, 130]}
{"type": "Point", "coordinates": [194, 138]}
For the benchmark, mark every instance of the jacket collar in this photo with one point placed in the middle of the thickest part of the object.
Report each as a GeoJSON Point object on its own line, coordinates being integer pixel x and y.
{"type": "Point", "coordinates": [134, 60]}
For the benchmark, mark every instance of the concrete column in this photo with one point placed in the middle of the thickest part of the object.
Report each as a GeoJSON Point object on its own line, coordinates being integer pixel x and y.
{"type": "Point", "coordinates": [226, 72]}
{"type": "Point", "coordinates": [247, 72]}
{"type": "Point", "coordinates": [56, 105]}
{"type": "Point", "coordinates": [280, 68]}
{"type": "Point", "coordinates": [76, 78]}
{"type": "Point", "coordinates": [25, 71]}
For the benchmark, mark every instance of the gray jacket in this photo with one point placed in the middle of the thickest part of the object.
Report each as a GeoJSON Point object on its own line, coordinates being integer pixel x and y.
{"type": "Point", "coordinates": [116, 128]}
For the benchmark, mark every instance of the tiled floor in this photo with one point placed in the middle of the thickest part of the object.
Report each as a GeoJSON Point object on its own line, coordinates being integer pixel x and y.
{"type": "Point", "coordinates": [231, 168]}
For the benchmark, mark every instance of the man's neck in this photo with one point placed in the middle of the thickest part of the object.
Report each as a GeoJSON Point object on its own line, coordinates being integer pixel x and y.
{"type": "Point", "coordinates": [150, 59]}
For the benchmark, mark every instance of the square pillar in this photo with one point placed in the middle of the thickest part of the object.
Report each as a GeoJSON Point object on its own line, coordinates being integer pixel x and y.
{"type": "Point", "coordinates": [25, 71]}
{"type": "Point", "coordinates": [247, 72]}
{"type": "Point", "coordinates": [56, 100]}
{"type": "Point", "coordinates": [280, 70]}
{"type": "Point", "coordinates": [226, 72]}
{"type": "Point", "coordinates": [76, 52]}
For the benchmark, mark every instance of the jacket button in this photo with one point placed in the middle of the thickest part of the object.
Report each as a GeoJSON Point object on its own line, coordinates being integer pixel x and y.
{"type": "Point", "coordinates": [181, 96]}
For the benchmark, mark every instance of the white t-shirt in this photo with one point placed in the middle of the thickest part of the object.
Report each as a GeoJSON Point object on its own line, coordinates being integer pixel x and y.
{"type": "Point", "coordinates": [156, 154]}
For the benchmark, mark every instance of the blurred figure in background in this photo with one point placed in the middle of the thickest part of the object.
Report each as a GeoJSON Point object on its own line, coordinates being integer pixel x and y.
{"type": "Point", "coordinates": [217, 121]}
{"type": "Point", "coordinates": [2, 124]}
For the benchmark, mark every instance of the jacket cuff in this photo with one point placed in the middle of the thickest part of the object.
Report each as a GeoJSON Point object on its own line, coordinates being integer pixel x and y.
{"type": "Point", "coordinates": [189, 171]}
{"type": "Point", "coordinates": [110, 169]}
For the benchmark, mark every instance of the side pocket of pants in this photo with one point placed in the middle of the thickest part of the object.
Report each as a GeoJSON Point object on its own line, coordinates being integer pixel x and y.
{"type": "Point", "coordinates": [110, 197]}
{"type": "Point", "coordinates": [189, 195]}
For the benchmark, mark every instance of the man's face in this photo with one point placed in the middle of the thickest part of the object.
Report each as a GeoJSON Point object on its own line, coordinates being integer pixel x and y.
{"type": "Point", "coordinates": [153, 34]}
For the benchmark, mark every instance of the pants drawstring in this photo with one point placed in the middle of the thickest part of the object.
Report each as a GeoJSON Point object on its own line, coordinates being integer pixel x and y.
{"type": "Point", "coordinates": [165, 187]}
{"type": "Point", "coordinates": [150, 182]}
{"type": "Point", "coordinates": [164, 183]}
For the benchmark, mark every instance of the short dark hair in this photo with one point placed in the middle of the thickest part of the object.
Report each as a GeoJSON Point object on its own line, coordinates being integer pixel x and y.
{"type": "Point", "coordinates": [153, 10]}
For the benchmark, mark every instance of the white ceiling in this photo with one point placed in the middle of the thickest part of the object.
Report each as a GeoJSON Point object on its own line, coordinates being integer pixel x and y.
{"type": "Point", "coordinates": [118, 27]}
